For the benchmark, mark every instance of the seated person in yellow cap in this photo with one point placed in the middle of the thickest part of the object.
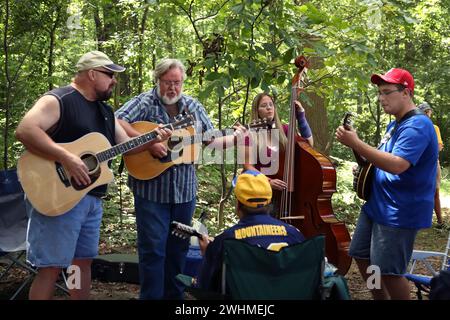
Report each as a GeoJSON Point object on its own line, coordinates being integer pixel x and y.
{"type": "Point", "coordinates": [255, 226]}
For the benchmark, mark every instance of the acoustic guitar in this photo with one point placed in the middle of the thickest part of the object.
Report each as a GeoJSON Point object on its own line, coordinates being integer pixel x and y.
{"type": "Point", "coordinates": [362, 181]}
{"type": "Point", "coordinates": [184, 146]}
{"type": "Point", "coordinates": [50, 188]}
{"type": "Point", "coordinates": [363, 175]}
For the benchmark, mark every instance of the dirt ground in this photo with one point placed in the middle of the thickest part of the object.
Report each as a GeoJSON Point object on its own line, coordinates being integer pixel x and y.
{"type": "Point", "coordinates": [124, 291]}
{"type": "Point", "coordinates": [429, 239]}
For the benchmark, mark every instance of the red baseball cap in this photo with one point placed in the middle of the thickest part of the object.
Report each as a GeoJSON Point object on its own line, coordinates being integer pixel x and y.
{"type": "Point", "coordinates": [395, 76]}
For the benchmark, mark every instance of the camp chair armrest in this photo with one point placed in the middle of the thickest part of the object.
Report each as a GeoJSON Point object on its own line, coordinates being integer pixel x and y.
{"type": "Point", "coordinates": [421, 255]}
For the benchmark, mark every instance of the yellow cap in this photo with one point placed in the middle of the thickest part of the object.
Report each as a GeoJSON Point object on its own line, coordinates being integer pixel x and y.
{"type": "Point", "coordinates": [252, 189]}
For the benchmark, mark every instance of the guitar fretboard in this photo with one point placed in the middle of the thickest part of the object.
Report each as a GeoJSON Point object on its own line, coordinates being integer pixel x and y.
{"type": "Point", "coordinates": [128, 145]}
{"type": "Point", "coordinates": [208, 135]}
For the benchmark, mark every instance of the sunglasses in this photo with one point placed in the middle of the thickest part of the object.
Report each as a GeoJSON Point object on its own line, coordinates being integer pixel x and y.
{"type": "Point", "coordinates": [109, 74]}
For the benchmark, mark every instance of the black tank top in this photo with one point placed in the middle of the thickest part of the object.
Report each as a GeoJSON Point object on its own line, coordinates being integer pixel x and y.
{"type": "Point", "coordinates": [79, 117]}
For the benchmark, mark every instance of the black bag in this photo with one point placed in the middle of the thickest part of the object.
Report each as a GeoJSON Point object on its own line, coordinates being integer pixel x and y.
{"type": "Point", "coordinates": [440, 286]}
{"type": "Point", "coordinates": [125, 267]}
{"type": "Point", "coordinates": [116, 268]}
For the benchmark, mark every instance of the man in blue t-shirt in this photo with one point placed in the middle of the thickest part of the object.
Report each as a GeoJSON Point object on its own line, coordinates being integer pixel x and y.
{"type": "Point", "coordinates": [255, 226]}
{"type": "Point", "coordinates": [402, 188]}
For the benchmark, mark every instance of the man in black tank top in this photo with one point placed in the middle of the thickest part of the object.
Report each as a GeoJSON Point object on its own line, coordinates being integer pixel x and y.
{"type": "Point", "coordinates": [59, 116]}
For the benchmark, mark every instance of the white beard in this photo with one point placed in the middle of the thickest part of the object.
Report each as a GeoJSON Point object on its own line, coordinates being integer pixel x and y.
{"type": "Point", "coordinates": [165, 99]}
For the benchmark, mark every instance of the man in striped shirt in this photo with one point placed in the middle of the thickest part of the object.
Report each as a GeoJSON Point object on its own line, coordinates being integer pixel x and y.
{"type": "Point", "coordinates": [171, 195]}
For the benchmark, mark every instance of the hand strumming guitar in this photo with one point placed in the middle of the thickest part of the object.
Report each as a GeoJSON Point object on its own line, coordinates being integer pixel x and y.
{"type": "Point", "coordinates": [76, 168]}
{"type": "Point", "coordinates": [159, 150]}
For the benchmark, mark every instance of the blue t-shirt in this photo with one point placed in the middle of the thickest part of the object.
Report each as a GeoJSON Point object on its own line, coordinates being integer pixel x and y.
{"type": "Point", "coordinates": [406, 200]}
{"type": "Point", "coordinates": [256, 229]}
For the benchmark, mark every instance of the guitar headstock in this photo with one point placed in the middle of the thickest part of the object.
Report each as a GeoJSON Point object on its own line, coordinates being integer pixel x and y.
{"type": "Point", "coordinates": [183, 231]}
{"type": "Point", "coordinates": [183, 120]}
{"type": "Point", "coordinates": [348, 120]}
{"type": "Point", "coordinates": [261, 124]}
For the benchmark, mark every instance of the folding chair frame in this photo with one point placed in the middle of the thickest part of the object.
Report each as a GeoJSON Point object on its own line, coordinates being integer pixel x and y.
{"type": "Point", "coordinates": [422, 282]}
{"type": "Point", "coordinates": [16, 261]}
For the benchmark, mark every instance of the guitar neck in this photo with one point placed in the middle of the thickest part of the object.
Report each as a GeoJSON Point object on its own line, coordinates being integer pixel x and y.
{"type": "Point", "coordinates": [208, 135]}
{"type": "Point", "coordinates": [348, 124]}
{"type": "Point", "coordinates": [197, 234]}
{"type": "Point", "coordinates": [126, 146]}
{"type": "Point", "coordinates": [359, 160]}
{"type": "Point", "coordinates": [184, 229]}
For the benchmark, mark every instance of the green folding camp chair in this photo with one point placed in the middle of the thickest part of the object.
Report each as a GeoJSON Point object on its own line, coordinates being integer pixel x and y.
{"type": "Point", "coordinates": [254, 273]}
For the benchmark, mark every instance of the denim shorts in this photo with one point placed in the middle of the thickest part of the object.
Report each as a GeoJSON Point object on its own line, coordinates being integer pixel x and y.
{"type": "Point", "coordinates": [56, 241]}
{"type": "Point", "coordinates": [389, 248]}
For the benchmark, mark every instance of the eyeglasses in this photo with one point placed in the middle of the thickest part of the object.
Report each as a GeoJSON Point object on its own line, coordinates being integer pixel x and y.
{"type": "Point", "coordinates": [266, 105]}
{"type": "Point", "coordinates": [386, 93]}
{"type": "Point", "coordinates": [169, 83]}
{"type": "Point", "coordinates": [109, 74]}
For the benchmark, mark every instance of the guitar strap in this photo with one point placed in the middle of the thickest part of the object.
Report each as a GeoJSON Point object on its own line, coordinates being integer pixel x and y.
{"type": "Point", "coordinates": [109, 124]}
{"type": "Point", "coordinates": [390, 133]}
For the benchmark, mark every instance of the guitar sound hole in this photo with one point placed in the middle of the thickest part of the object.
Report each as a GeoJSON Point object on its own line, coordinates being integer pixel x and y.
{"type": "Point", "coordinates": [174, 149]}
{"type": "Point", "coordinates": [90, 161]}
{"type": "Point", "coordinates": [174, 144]}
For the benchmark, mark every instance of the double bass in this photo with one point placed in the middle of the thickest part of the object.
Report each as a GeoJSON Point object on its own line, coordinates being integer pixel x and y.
{"type": "Point", "coordinates": [311, 181]}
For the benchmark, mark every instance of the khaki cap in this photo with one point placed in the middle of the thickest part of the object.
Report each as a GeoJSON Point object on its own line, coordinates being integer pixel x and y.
{"type": "Point", "coordinates": [94, 59]}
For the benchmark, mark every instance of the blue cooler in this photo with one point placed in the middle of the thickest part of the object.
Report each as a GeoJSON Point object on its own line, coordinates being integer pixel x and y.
{"type": "Point", "coordinates": [193, 261]}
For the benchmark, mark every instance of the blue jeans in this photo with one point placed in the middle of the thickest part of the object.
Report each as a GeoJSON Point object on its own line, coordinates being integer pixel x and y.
{"type": "Point", "coordinates": [161, 255]}
{"type": "Point", "coordinates": [56, 241]}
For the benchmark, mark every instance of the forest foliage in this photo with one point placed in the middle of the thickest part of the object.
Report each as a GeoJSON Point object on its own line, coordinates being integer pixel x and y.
{"type": "Point", "coordinates": [232, 50]}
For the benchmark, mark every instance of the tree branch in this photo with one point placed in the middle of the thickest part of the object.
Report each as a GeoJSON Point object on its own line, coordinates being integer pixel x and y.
{"type": "Point", "coordinates": [189, 14]}
{"type": "Point", "coordinates": [212, 14]}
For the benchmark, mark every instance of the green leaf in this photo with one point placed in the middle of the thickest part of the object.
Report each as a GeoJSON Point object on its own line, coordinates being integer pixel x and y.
{"type": "Point", "coordinates": [315, 15]}
{"type": "Point", "coordinates": [303, 8]}
{"type": "Point", "coordinates": [255, 82]}
{"type": "Point", "coordinates": [288, 55]}
{"type": "Point", "coordinates": [209, 63]}
{"type": "Point", "coordinates": [220, 91]}
{"type": "Point", "coordinates": [238, 8]}
{"type": "Point", "coordinates": [271, 48]}
{"type": "Point", "coordinates": [204, 94]}
{"type": "Point", "coordinates": [307, 50]}
{"type": "Point", "coordinates": [225, 80]}
{"type": "Point", "coordinates": [213, 76]}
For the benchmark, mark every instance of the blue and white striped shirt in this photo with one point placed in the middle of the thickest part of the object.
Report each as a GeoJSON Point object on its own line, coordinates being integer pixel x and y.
{"type": "Point", "coordinates": [178, 184]}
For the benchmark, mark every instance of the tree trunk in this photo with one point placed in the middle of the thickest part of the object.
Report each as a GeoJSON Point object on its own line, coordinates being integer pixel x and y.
{"type": "Point", "coordinates": [51, 49]}
{"type": "Point", "coordinates": [101, 37]}
{"type": "Point", "coordinates": [141, 50]}
{"type": "Point", "coordinates": [316, 113]}
{"type": "Point", "coordinates": [7, 86]}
